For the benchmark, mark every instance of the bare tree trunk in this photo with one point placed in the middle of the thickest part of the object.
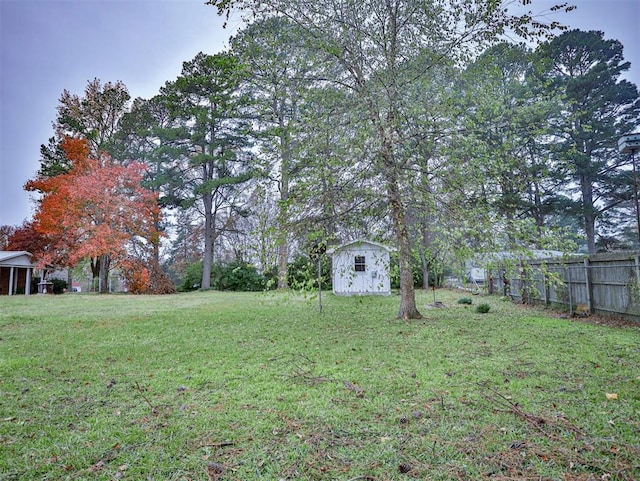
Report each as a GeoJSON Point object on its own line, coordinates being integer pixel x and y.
{"type": "Point", "coordinates": [283, 234]}
{"type": "Point", "coordinates": [155, 242]}
{"type": "Point", "coordinates": [408, 309]}
{"type": "Point", "coordinates": [95, 267]}
{"type": "Point", "coordinates": [283, 207]}
{"type": "Point", "coordinates": [425, 269]}
{"type": "Point", "coordinates": [588, 213]}
{"type": "Point", "coordinates": [208, 242]}
{"type": "Point", "coordinates": [425, 218]}
{"type": "Point", "coordinates": [105, 261]}
{"type": "Point", "coordinates": [283, 264]}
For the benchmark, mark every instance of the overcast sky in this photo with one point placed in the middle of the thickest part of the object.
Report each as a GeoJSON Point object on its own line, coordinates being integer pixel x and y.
{"type": "Point", "coordinates": [47, 46]}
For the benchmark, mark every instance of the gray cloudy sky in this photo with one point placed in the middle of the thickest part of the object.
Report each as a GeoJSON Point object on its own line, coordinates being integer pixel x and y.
{"type": "Point", "coordinates": [47, 46]}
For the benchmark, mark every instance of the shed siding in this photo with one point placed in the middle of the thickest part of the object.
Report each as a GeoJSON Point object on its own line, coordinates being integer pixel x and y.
{"type": "Point", "coordinates": [374, 279]}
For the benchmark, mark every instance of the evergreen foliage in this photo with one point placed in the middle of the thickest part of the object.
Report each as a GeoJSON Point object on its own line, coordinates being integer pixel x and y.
{"type": "Point", "coordinates": [405, 122]}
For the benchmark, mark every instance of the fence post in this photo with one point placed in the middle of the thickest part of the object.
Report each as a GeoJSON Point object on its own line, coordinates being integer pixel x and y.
{"type": "Point", "coordinates": [547, 287]}
{"type": "Point", "coordinates": [568, 269]}
{"type": "Point", "coordinates": [587, 280]}
{"type": "Point", "coordinates": [506, 287]}
{"type": "Point", "coordinates": [636, 261]}
{"type": "Point", "coordinates": [489, 274]}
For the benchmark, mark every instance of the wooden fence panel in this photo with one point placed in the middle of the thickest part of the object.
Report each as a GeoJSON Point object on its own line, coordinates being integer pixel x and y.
{"type": "Point", "coordinates": [605, 284]}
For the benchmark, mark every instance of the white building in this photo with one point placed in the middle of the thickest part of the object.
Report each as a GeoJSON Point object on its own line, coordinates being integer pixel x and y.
{"type": "Point", "coordinates": [361, 268]}
{"type": "Point", "coordinates": [16, 269]}
{"type": "Point", "coordinates": [475, 268]}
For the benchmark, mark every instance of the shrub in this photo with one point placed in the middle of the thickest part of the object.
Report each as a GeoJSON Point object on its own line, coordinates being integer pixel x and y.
{"type": "Point", "coordinates": [34, 284]}
{"type": "Point", "coordinates": [465, 300]}
{"type": "Point", "coordinates": [160, 281]}
{"type": "Point", "coordinates": [237, 276]}
{"type": "Point", "coordinates": [59, 286]}
{"type": "Point", "coordinates": [270, 278]}
{"type": "Point", "coordinates": [145, 277]}
{"type": "Point", "coordinates": [193, 278]}
{"type": "Point", "coordinates": [136, 275]}
{"type": "Point", "coordinates": [483, 308]}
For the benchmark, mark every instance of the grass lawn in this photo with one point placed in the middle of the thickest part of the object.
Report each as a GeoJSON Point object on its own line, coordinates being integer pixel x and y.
{"type": "Point", "coordinates": [239, 386]}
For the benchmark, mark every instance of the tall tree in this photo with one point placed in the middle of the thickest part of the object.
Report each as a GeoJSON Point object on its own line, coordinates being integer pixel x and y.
{"type": "Point", "coordinates": [208, 129]}
{"type": "Point", "coordinates": [371, 41]}
{"type": "Point", "coordinates": [146, 135]}
{"type": "Point", "coordinates": [95, 117]}
{"type": "Point", "coordinates": [428, 126]}
{"type": "Point", "coordinates": [336, 197]}
{"type": "Point", "coordinates": [96, 210]}
{"type": "Point", "coordinates": [304, 132]}
{"type": "Point", "coordinates": [599, 107]}
{"type": "Point", "coordinates": [505, 125]}
{"type": "Point", "coordinates": [278, 62]}
{"type": "Point", "coordinates": [261, 244]}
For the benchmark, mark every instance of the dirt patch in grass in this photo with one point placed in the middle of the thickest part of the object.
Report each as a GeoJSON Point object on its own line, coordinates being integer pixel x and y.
{"type": "Point", "coordinates": [595, 319]}
{"type": "Point", "coordinates": [609, 321]}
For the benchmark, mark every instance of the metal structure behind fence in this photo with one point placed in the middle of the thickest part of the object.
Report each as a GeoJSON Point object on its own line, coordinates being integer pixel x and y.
{"type": "Point", "coordinates": [603, 284]}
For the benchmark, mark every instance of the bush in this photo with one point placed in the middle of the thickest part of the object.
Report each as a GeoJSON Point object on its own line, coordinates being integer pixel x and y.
{"type": "Point", "coordinates": [270, 278]}
{"type": "Point", "coordinates": [145, 277]}
{"type": "Point", "coordinates": [34, 284]}
{"type": "Point", "coordinates": [193, 278]}
{"type": "Point", "coordinates": [465, 300]}
{"type": "Point", "coordinates": [483, 308]}
{"type": "Point", "coordinates": [59, 286]}
{"type": "Point", "coordinates": [160, 281]}
{"type": "Point", "coordinates": [237, 276]}
{"type": "Point", "coordinates": [136, 275]}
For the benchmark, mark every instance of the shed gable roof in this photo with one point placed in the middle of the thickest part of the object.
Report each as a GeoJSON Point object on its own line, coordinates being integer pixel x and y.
{"type": "Point", "coordinates": [359, 242]}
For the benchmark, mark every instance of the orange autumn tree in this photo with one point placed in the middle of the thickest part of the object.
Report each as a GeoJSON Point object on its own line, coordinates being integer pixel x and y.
{"type": "Point", "coordinates": [96, 210]}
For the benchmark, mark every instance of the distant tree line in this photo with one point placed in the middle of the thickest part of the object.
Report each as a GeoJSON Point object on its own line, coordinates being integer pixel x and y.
{"type": "Point", "coordinates": [380, 120]}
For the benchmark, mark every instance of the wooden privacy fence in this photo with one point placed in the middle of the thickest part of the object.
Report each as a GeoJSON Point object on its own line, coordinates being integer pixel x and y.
{"type": "Point", "coordinates": [602, 284]}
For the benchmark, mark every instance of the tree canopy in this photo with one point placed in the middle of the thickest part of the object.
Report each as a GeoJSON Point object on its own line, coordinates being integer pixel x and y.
{"type": "Point", "coordinates": [417, 123]}
{"type": "Point", "coordinates": [97, 209]}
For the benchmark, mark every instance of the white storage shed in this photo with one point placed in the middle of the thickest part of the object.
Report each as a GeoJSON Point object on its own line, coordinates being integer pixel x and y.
{"type": "Point", "coordinates": [361, 268]}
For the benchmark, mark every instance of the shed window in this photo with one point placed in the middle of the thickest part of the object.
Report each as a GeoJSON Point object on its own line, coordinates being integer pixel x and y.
{"type": "Point", "coordinates": [360, 264]}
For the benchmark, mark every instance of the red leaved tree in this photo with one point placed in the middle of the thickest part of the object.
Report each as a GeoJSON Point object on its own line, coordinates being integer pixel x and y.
{"type": "Point", "coordinates": [26, 238]}
{"type": "Point", "coordinates": [97, 210]}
